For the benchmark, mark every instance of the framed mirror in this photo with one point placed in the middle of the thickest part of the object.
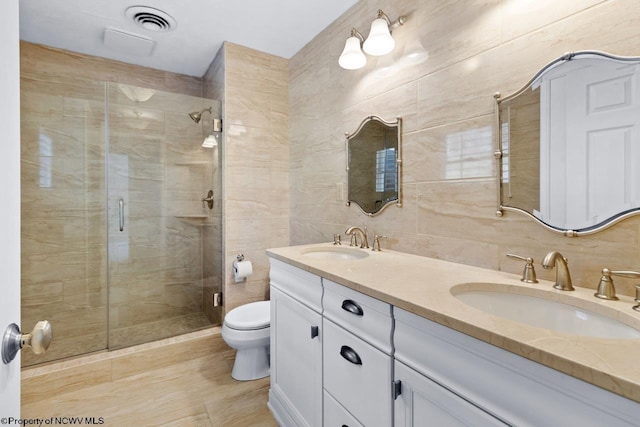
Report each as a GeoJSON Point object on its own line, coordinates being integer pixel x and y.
{"type": "Point", "coordinates": [569, 144]}
{"type": "Point", "coordinates": [373, 165]}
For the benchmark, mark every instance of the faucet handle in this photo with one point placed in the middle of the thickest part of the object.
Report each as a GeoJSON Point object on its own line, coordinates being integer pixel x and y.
{"type": "Point", "coordinates": [606, 289]}
{"type": "Point", "coordinates": [336, 239]}
{"type": "Point", "coordinates": [529, 272]}
{"type": "Point", "coordinates": [376, 242]}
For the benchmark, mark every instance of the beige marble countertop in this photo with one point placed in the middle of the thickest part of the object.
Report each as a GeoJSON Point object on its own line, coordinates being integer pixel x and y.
{"type": "Point", "coordinates": [424, 286]}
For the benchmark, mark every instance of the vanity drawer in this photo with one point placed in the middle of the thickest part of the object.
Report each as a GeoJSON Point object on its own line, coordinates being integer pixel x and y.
{"type": "Point", "coordinates": [335, 415]}
{"type": "Point", "coordinates": [367, 317]}
{"type": "Point", "coordinates": [357, 375]}
{"type": "Point", "coordinates": [297, 283]}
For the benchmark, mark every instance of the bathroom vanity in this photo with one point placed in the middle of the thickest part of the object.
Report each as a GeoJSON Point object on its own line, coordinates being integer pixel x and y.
{"type": "Point", "coordinates": [362, 338]}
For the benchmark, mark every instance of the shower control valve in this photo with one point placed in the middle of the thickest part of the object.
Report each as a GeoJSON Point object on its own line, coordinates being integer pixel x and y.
{"type": "Point", "coordinates": [208, 201]}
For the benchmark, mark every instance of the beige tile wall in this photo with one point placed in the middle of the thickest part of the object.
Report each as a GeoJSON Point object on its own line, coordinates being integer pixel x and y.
{"type": "Point", "coordinates": [463, 52]}
{"type": "Point", "coordinates": [255, 165]}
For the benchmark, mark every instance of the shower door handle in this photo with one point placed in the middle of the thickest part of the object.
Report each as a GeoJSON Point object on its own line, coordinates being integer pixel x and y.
{"type": "Point", "coordinates": [121, 213]}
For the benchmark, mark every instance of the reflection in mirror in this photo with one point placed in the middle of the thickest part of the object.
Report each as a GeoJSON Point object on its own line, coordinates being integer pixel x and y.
{"type": "Point", "coordinates": [569, 143]}
{"type": "Point", "coordinates": [373, 165]}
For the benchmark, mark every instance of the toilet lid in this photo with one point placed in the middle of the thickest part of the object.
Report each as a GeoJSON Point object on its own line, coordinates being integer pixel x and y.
{"type": "Point", "coordinates": [255, 315]}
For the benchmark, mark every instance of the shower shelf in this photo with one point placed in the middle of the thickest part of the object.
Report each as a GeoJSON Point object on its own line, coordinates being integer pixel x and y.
{"type": "Point", "coordinates": [200, 220]}
{"type": "Point", "coordinates": [194, 163]}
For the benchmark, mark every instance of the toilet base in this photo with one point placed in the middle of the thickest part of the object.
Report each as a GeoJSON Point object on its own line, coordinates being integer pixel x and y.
{"type": "Point", "coordinates": [251, 364]}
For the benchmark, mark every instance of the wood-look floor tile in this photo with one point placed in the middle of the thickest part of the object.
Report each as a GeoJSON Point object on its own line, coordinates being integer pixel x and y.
{"type": "Point", "coordinates": [196, 392]}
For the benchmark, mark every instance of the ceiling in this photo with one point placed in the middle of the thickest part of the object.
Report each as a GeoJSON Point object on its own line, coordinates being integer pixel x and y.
{"type": "Point", "coordinates": [278, 27]}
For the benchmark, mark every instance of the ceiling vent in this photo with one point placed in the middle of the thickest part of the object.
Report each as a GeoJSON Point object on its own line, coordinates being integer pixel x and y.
{"type": "Point", "coordinates": [151, 19]}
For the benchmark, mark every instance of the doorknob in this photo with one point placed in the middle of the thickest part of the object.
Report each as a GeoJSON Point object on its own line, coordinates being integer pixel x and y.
{"type": "Point", "coordinates": [38, 339]}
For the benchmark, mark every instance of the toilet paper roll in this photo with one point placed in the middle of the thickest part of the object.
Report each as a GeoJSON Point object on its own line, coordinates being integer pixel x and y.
{"type": "Point", "coordinates": [242, 270]}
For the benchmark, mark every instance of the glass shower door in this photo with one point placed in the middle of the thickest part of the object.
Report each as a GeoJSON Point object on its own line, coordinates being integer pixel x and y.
{"type": "Point", "coordinates": [63, 230]}
{"type": "Point", "coordinates": [158, 229]}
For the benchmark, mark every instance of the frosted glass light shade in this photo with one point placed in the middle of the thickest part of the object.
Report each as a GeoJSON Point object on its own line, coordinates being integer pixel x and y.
{"type": "Point", "coordinates": [379, 41]}
{"type": "Point", "coordinates": [352, 57]}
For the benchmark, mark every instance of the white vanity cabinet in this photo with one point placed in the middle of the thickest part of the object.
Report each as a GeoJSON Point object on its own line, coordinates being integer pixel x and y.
{"type": "Point", "coordinates": [357, 353]}
{"type": "Point", "coordinates": [499, 386]}
{"type": "Point", "coordinates": [295, 396]}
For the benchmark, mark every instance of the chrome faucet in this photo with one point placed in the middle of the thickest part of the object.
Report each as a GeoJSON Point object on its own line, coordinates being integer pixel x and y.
{"type": "Point", "coordinates": [353, 231]}
{"type": "Point", "coordinates": [563, 278]}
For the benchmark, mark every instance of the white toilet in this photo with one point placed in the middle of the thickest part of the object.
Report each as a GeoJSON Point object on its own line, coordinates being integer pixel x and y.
{"type": "Point", "coordinates": [247, 329]}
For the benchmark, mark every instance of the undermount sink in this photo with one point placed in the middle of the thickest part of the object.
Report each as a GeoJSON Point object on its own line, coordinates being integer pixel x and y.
{"type": "Point", "coordinates": [496, 299]}
{"type": "Point", "coordinates": [335, 253]}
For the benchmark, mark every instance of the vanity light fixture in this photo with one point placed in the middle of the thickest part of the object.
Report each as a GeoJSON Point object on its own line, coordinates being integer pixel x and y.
{"type": "Point", "coordinates": [380, 42]}
{"type": "Point", "coordinates": [352, 57]}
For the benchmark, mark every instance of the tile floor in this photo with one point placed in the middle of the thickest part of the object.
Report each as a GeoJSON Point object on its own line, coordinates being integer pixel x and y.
{"type": "Point", "coordinates": [194, 392]}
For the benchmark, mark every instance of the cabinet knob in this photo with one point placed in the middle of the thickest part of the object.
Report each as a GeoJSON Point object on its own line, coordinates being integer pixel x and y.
{"type": "Point", "coordinates": [314, 331]}
{"type": "Point", "coordinates": [350, 355]}
{"type": "Point", "coordinates": [352, 307]}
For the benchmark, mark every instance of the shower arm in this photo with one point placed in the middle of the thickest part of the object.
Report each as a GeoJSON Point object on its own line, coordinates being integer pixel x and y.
{"type": "Point", "coordinates": [196, 116]}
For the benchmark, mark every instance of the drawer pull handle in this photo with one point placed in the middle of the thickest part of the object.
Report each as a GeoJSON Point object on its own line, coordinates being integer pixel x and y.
{"type": "Point", "coordinates": [350, 355]}
{"type": "Point", "coordinates": [352, 307]}
{"type": "Point", "coordinates": [314, 332]}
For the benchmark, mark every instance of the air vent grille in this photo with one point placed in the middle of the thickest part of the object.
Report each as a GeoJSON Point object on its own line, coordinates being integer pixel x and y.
{"type": "Point", "coordinates": [150, 18]}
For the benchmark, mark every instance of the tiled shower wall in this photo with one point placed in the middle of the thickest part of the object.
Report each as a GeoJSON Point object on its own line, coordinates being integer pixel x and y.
{"type": "Point", "coordinates": [64, 230]}
{"type": "Point", "coordinates": [213, 250]}
{"type": "Point", "coordinates": [255, 163]}
{"type": "Point", "coordinates": [450, 58]}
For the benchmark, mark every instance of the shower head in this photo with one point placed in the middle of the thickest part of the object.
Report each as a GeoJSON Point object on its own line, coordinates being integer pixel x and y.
{"type": "Point", "coordinates": [197, 115]}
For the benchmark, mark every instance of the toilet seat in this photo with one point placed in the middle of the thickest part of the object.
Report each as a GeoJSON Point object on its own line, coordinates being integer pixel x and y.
{"type": "Point", "coordinates": [248, 317]}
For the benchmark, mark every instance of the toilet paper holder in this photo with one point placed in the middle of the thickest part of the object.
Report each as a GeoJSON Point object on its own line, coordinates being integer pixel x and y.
{"type": "Point", "coordinates": [242, 268]}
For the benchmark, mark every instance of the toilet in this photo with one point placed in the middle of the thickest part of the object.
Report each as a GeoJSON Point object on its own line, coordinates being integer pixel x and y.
{"type": "Point", "coordinates": [247, 329]}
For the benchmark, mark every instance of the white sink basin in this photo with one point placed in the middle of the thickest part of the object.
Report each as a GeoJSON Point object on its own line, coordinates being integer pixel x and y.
{"type": "Point", "coordinates": [545, 313]}
{"type": "Point", "coordinates": [335, 253]}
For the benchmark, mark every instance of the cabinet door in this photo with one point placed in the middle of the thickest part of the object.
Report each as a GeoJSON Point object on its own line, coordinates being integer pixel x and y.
{"type": "Point", "coordinates": [296, 360]}
{"type": "Point", "coordinates": [423, 403]}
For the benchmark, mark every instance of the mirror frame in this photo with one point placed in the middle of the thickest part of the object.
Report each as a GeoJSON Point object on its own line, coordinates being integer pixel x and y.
{"type": "Point", "coordinates": [498, 153]}
{"type": "Point", "coordinates": [348, 137]}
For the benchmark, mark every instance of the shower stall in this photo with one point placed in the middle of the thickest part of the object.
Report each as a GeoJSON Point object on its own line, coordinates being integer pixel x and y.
{"type": "Point", "coordinates": [121, 215]}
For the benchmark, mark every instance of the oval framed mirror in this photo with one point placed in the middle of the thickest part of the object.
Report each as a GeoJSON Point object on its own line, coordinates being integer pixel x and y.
{"type": "Point", "coordinates": [569, 144]}
{"type": "Point", "coordinates": [374, 165]}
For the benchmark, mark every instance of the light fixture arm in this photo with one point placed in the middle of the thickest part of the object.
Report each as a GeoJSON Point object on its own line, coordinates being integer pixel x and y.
{"type": "Point", "coordinates": [392, 25]}
{"type": "Point", "coordinates": [358, 34]}
{"type": "Point", "coordinates": [383, 15]}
